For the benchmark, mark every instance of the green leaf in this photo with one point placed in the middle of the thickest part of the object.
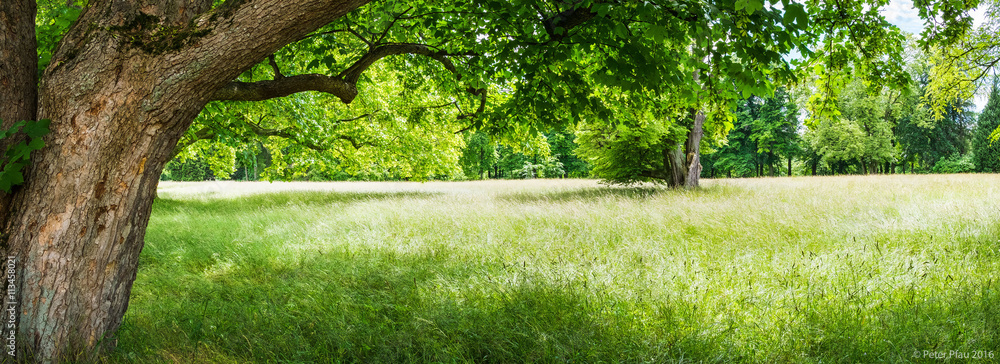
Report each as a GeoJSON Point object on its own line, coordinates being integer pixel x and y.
{"type": "Point", "coordinates": [17, 154]}
{"type": "Point", "coordinates": [657, 32]}
{"type": "Point", "coordinates": [602, 9]}
{"type": "Point", "coordinates": [36, 144]}
{"type": "Point", "coordinates": [11, 176]}
{"type": "Point", "coordinates": [329, 61]}
{"type": "Point", "coordinates": [620, 30]}
{"type": "Point", "coordinates": [800, 15]}
{"type": "Point", "coordinates": [37, 129]}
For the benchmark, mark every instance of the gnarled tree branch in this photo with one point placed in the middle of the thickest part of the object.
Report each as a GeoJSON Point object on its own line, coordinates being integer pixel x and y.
{"type": "Point", "coordinates": [353, 73]}
{"type": "Point", "coordinates": [281, 87]}
{"type": "Point", "coordinates": [342, 86]}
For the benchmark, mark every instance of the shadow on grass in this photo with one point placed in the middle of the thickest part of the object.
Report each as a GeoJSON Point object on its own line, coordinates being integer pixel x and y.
{"type": "Point", "coordinates": [377, 308]}
{"type": "Point", "coordinates": [962, 325]}
{"type": "Point", "coordinates": [592, 193]}
{"type": "Point", "coordinates": [270, 200]}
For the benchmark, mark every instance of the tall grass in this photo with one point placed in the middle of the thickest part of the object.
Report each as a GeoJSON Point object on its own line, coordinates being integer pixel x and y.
{"type": "Point", "coordinates": [833, 269]}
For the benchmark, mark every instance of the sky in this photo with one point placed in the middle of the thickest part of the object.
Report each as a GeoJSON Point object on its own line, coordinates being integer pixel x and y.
{"type": "Point", "coordinates": [902, 14]}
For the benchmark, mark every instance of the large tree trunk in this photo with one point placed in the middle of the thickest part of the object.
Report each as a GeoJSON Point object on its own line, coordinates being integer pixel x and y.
{"type": "Point", "coordinates": [127, 80]}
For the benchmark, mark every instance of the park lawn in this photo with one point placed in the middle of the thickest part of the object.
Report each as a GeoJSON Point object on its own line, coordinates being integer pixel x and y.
{"type": "Point", "coordinates": [806, 269]}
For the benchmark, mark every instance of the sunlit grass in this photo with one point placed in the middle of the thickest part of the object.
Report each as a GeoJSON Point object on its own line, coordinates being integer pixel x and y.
{"type": "Point", "coordinates": [833, 269]}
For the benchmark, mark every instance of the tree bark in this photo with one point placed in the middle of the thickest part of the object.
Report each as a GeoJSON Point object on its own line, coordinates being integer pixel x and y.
{"type": "Point", "coordinates": [693, 149]}
{"type": "Point", "coordinates": [124, 84]}
{"type": "Point", "coordinates": [18, 70]}
{"type": "Point", "coordinates": [674, 161]}
{"type": "Point", "coordinates": [18, 62]}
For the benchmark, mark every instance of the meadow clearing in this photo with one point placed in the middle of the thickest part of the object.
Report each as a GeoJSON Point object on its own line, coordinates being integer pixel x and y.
{"type": "Point", "coordinates": [894, 268]}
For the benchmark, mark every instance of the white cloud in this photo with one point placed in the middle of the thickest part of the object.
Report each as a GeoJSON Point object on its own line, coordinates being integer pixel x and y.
{"type": "Point", "coordinates": [902, 14]}
{"type": "Point", "coordinates": [980, 15]}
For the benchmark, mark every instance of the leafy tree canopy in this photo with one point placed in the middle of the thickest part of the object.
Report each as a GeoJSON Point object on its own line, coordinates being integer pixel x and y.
{"type": "Point", "coordinates": [400, 81]}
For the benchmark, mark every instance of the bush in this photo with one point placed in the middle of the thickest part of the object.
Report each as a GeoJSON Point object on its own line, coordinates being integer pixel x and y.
{"type": "Point", "coordinates": [955, 164]}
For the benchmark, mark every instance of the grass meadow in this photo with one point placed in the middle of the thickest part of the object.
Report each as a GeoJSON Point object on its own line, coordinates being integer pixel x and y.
{"type": "Point", "coordinates": [787, 270]}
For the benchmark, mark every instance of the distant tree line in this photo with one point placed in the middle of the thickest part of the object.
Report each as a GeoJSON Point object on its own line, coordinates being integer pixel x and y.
{"type": "Point", "coordinates": [550, 155]}
{"type": "Point", "coordinates": [881, 133]}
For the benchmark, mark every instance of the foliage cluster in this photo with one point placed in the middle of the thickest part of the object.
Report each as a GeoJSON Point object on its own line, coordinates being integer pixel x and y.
{"type": "Point", "coordinates": [22, 138]}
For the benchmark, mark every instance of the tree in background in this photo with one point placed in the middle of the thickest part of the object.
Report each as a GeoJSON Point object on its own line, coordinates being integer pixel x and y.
{"type": "Point", "coordinates": [480, 156]}
{"type": "Point", "coordinates": [546, 156]}
{"type": "Point", "coordinates": [875, 116]}
{"type": "Point", "coordinates": [927, 143]}
{"type": "Point", "coordinates": [563, 147]}
{"type": "Point", "coordinates": [986, 149]}
{"type": "Point", "coordinates": [764, 135]}
{"type": "Point", "coordinates": [924, 142]}
{"type": "Point", "coordinates": [839, 143]}
{"type": "Point", "coordinates": [738, 156]}
{"type": "Point", "coordinates": [627, 154]}
{"type": "Point", "coordinates": [777, 131]}
{"type": "Point", "coordinates": [874, 129]}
